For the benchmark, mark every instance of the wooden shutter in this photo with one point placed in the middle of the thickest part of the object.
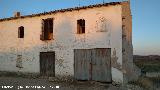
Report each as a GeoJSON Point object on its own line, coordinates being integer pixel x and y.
{"type": "Point", "coordinates": [78, 26]}
{"type": "Point", "coordinates": [21, 32]}
{"type": "Point", "coordinates": [50, 28]}
{"type": "Point", "coordinates": [50, 21]}
{"type": "Point", "coordinates": [83, 26]}
{"type": "Point", "coordinates": [42, 30]}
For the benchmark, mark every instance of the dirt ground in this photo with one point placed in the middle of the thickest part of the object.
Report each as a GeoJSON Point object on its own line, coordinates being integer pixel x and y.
{"type": "Point", "coordinates": [19, 83]}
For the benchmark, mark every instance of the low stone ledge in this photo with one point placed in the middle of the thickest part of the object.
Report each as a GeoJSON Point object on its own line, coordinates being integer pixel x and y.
{"type": "Point", "coordinates": [19, 74]}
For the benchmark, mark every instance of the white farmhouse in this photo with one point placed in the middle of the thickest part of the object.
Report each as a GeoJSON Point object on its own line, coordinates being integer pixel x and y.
{"type": "Point", "coordinates": [86, 43]}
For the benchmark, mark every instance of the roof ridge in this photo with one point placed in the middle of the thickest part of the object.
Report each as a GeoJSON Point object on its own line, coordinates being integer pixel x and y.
{"type": "Point", "coordinates": [63, 10]}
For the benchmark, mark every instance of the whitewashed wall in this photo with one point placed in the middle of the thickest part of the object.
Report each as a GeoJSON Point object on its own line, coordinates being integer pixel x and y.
{"type": "Point", "coordinates": [65, 39]}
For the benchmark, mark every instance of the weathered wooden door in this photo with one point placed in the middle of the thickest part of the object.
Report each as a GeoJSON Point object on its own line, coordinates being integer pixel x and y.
{"type": "Point", "coordinates": [92, 64]}
{"type": "Point", "coordinates": [82, 68]}
{"type": "Point", "coordinates": [47, 63]}
{"type": "Point", "coordinates": [101, 65]}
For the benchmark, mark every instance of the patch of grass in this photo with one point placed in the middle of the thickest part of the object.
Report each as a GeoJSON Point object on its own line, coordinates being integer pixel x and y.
{"type": "Point", "coordinates": [149, 63]}
{"type": "Point", "coordinates": [143, 82]}
{"type": "Point", "coordinates": [149, 67]}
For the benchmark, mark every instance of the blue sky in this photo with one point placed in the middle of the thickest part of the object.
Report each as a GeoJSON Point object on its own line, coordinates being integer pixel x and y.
{"type": "Point", "coordinates": [146, 18]}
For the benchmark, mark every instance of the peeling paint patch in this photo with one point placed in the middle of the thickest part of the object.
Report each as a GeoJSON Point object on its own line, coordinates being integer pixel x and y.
{"type": "Point", "coordinates": [29, 59]}
{"type": "Point", "coordinates": [60, 62]}
{"type": "Point", "coordinates": [12, 50]}
{"type": "Point", "coordinates": [114, 60]}
{"type": "Point", "coordinates": [19, 61]}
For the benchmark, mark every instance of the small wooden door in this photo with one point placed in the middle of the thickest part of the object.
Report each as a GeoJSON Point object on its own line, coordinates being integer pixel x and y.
{"type": "Point", "coordinates": [47, 63]}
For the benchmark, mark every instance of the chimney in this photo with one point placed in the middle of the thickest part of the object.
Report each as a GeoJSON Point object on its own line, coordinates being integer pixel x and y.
{"type": "Point", "coordinates": [17, 14]}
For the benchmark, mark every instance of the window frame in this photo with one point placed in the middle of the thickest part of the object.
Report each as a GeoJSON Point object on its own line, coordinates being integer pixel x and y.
{"type": "Point", "coordinates": [81, 26]}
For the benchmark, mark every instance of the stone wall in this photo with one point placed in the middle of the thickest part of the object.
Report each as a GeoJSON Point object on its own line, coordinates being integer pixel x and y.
{"type": "Point", "coordinates": [129, 69]}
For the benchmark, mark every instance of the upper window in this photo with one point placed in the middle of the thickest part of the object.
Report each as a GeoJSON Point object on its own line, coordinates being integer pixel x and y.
{"type": "Point", "coordinates": [21, 32]}
{"type": "Point", "coordinates": [81, 26]}
{"type": "Point", "coordinates": [47, 29]}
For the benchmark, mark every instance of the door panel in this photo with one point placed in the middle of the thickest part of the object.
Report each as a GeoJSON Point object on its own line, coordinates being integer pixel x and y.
{"type": "Point", "coordinates": [101, 65]}
{"type": "Point", "coordinates": [82, 59]}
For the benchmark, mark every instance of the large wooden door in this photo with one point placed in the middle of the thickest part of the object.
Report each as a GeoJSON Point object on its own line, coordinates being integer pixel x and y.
{"type": "Point", "coordinates": [93, 64]}
{"type": "Point", "coordinates": [82, 64]}
{"type": "Point", "coordinates": [47, 63]}
{"type": "Point", "coordinates": [101, 65]}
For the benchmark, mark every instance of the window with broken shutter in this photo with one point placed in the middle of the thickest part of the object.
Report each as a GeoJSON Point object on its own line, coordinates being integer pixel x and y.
{"type": "Point", "coordinates": [47, 29]}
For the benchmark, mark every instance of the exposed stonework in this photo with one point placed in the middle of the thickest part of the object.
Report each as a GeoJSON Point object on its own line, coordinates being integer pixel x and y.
{"type": "Point", "coordinates": [127, 48]}
{"type": "Point", "coordinates": [115, 64]}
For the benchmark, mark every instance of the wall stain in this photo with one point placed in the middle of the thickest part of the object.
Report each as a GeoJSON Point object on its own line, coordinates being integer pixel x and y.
{"type": "Point", "coordinates": [19, 61]}
{"type": "Point", "coordinates": [29, 59]}
{"type": "Point", "coordinates": [44, 46]}
{"type": "Point", "coordinates": [103, 25]}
